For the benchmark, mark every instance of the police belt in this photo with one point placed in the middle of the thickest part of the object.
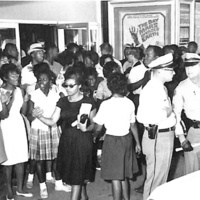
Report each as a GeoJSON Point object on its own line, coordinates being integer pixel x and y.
{"type": "Point", "coordinates": [162, 130]}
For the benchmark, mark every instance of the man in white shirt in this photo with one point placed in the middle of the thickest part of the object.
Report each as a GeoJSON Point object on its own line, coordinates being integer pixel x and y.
{"type": "Point", "coordinates": [51, 56]}
{"type": "Point", "coordinates": [138, 69]}
{"type": "Point", "coordinates": [187, 98]}
{"type": "Point", "coordinates": [155, 113]}
{"type": "Point", "coordinates": [139, 74]}
{"type": "Point", "coordinates": [28, 79]}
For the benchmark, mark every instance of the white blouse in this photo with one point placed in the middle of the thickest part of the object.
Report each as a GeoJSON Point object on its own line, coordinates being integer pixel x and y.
{"type": "Point", "coordinates": [116, 114]}
{"type": "Point", "coordinates": [46, 103]}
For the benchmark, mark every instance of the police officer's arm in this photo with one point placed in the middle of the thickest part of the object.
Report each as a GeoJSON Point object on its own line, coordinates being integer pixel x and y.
{"type": "Point", "coordinates": [178, 103]}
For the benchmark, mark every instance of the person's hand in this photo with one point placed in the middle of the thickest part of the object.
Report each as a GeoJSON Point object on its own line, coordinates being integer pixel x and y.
{"type": "Point", "coordinates": [186, 145]}
{"type": "Point", "coordinates": [26, 97]}
{"type": "Point", "coordinates": [82, 122]}
{"type": "Point", "coordinates": [134, 34]}
{"type": "Point", "coordinates": [138, 149]}
{"type": "Point", "coordinates": [60, 79]}
{"type": "Point", "coordinates": [37, 112]}
{"type": "Point", "coordinates": [94, 139]}
{"type": "Point", "coordinates": [169, 110]}
{"type": "Point", "coordinates": [5, 97]}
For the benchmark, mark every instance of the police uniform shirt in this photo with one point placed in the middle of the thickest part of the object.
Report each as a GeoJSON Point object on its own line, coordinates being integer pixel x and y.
{"type": "Point", "coordinates": [152, 105]}
{"type": "Point", "coordinates": [187, 97]}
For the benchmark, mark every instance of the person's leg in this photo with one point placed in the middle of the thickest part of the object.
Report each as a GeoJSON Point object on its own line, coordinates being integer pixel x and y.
{"type": "Point", "coordinates": [19, 169]}
{"type": "Point", "coordinates": [41, 172]}
{"type": "Point", "coordinates": [141, 160]}
{"type": "Point", "coordinates": [40, 169]}
{"type": "Point", "coordinates": [8, 176]}
{"type": "Point", "coordinates": [32, 167]}
{"type": "Point", "coordinates": [76, 192]}
{"type": "Point", "coordinates": [84, 195]}
{"type": "Point", "coordinates": [58, 180]}
{"type": "Point", "coordinates": [57, 175]}
{"type": "Point", "coordinates": [140, 189]}
{"type": "Point", "coordinates": [49, 177]}
{"type": "Point", "coordinates": [125, 189]}
{"type": "Point", "coordinates": [117, 190]}
{"type": "Point", "coordinates": [192, 158]}
{"type": "Point", "coordinates": [148, 146]}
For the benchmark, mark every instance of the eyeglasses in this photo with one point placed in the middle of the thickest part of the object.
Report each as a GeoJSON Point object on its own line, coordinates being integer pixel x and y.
{"type": "Point", "coordinates": [70, 85]}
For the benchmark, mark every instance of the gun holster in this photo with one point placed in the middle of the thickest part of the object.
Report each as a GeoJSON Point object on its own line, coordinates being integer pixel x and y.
{"type": "Point", "coordinates": [152, 131]}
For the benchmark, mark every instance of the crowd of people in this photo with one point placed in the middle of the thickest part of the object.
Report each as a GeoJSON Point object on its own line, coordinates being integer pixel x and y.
{"type": "Point", "coordinates": [56, 107]}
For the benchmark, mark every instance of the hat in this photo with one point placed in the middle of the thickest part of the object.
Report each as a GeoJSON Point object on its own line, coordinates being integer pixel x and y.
{"type": "Point", "coordinates": [190, 59]}
{"type": "Point", "coordinates": [165, 61]}
{"type": "Point", "coordinates": [35, 47]}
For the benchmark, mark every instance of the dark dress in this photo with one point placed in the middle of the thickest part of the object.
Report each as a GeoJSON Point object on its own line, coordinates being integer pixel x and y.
{"type": "Point", "coordinates": [74, 160]}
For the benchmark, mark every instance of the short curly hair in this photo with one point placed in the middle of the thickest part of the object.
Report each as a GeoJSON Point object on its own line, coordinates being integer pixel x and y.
{"type": "Point", "coordinates": [43, 68]}
{"type": "Point", "coordinates": [109, 68]}
{"type": "Point", "coordinates": [117, 83]}
{"type": "Point", "coordinates": [103, 58]}
{"type": "Point", "coordinates": [91, 71]}
{"type": "Point", "coordinates": [6, 69]}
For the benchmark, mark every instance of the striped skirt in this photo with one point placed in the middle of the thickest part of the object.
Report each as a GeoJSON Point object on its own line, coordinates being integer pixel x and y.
{"type": "Point", "coordinates": [43, 145]}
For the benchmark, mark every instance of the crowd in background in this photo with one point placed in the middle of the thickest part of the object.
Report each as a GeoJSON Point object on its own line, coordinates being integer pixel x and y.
{"type": "Point", "coordinates": [57, 108]}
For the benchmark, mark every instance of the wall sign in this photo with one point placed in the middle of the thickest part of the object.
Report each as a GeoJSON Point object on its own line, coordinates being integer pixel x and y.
{"type": "Point", "coordinates": [147, 27]}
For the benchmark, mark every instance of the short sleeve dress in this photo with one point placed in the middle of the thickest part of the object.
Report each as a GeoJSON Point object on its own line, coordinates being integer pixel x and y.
{"type": "Point", "coordinates": [74, 160]}
{"type": "Point", "coordinates": [14, 133]}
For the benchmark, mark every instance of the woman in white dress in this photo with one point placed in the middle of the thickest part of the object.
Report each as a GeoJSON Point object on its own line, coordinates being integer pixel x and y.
{"type": "Point", "coordinates": [13, 129]}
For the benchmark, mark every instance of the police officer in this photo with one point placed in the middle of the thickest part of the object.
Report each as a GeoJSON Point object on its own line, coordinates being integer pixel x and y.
{"type": "Point", "coordinates": [151, 53]}
{"type": "Point", "coordinates": [187, 98]}
{"type": "Point", "coordinates": [155, 112]}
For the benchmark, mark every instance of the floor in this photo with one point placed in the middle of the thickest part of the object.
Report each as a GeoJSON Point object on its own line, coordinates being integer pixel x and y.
{"type": "Point", "coordinates": [99, 190]}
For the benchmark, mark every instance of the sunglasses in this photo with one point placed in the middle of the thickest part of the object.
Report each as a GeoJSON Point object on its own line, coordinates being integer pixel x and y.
{"type": "Point", "coordinates": [70, 85]}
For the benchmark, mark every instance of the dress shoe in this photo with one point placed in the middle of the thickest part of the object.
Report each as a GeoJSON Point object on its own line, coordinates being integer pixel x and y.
{"type": "Point", "coordinates": [24, 194]}
{"type": "Point", "coordinates": [139, 189]}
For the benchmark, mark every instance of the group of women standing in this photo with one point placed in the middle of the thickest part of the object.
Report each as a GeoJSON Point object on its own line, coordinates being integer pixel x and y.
{"type": "Point", "coordinates": [70, 150]}
{"type": "Point", "coordinates": [74, 160]}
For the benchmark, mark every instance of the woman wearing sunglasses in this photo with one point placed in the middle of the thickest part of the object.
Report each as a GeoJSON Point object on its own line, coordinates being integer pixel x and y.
{"type": "Point", "coordinates": [74, 161]}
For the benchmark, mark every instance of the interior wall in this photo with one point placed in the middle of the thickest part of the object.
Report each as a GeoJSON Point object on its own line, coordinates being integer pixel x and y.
{"type": "Point", "coordinates": [69, 10]}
